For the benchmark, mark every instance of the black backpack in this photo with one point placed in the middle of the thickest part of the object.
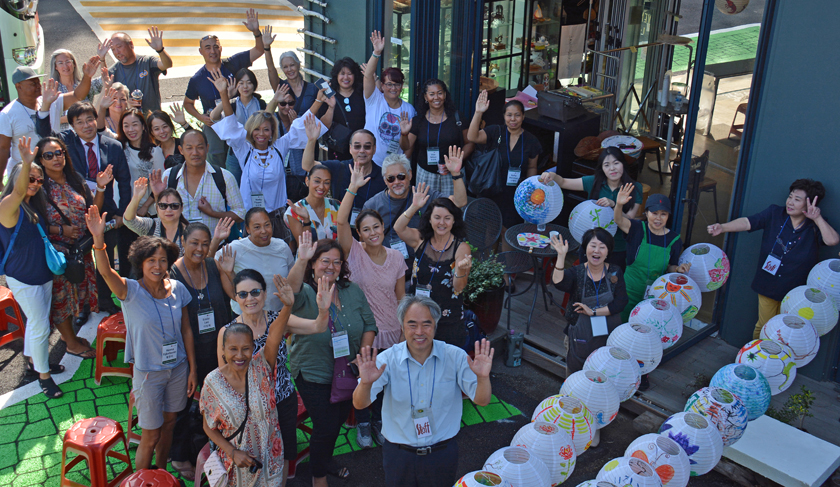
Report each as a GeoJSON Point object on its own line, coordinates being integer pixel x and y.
{"type": "Point", "coordinates": [218, 179]}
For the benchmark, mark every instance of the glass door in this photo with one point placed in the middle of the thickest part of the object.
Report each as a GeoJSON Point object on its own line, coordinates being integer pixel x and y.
{"type": "Point", "coordinates": [504, 37]}
{"type": "Point", "coordinates": [401, 42]}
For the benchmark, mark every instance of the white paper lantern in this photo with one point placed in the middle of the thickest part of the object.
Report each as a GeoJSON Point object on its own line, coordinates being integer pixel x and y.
{"type": "Point", "coordinates": [595, 390]}
{"type": "Point", "coordinates": [518, 466]}
{"type": "Point", "coordinates": [709, 265]}
{"type": "Point", "coordinates": [641, 341]}
{"type": "Point", "coordinates": [773, 359]}
{"type": "Point", "coordinates": [731, 7]}
{"type": "Point", "coordinates": [589, 215]}
{"type": "Point", "coordinates": [748, 384]}
{"type": "Point", "coordinates": [662, 317]}
{"type": "Point", "coordinates": [629, 472]}
{"type": "Point", "coordinates": [679, 290]}
{"type": "Point", "coordinates": [551, 445]}
{"type": "Point", "coordinates": [665, 456]}
{"type": "Point", "coordinates": [812, 304]}
{"type": "Point", "coordinates": [826, 277]}
{"type": "Point", "coordinates": [619, 366]}
{"type": "Point", "coordinates": [482, 478]}
{"type": "Point", "coordinates": [537, 202]}
{"type": "Point", "coordinates": [698, 437]}
{"type": "Point", "coordinates": [571, 415]}
{"type": "Point", "coordinates": [724, 409]}
{"type": "Point", "coordinates": [596, 483]}
{"type": "Point", "coordinates": [795, 332]}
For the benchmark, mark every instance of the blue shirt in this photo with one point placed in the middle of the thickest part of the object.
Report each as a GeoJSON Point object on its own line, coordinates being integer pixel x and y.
{"type": "Point", "coordinates": [446, 371]}
{"type": "Point", "coordinates": [340, 172]}
{"type": "Point", "coordinates": [27, 260]}
{"type": "Point", "coordinates": [201, 88]}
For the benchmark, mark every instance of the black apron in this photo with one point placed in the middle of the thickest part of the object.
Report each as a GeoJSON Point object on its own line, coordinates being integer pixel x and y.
{"type": "Point", "coordinates": [581, 340]}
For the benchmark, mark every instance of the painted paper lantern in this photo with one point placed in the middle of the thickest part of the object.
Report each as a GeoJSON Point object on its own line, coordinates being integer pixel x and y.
{"type": "Point", "coordinates": [571, 415]}
{"type": "Point", "coordinates": [665, 456]}
{"type": "Point", "coordinates": [679, 290]}
{"type": "Point", "coordinates": [795, 332]}
{"type": "Point", "coordinates": [641, 341]}
{"type": "Point", "coordinates": [812, 304]}
{"type": "Point", "coordinates": [596, 483]}
{"type": "Point", "coordinates": [629, 145]}
{"type": "Point", "coordinates": [698, 437]}
{"type": "Point", "coordinates": [595, 390]}
{"type": "Point", "coordinates": [771, 358]}
{"type": "Point", "coordinates": [482, 478]}
{"type": "Point", "coordinates": [748, 384]}
{"type": "Point", "coordinates": [537, 202]}
{"type": "Point", "coordinates": [629, 472]}
{"type": "Point", "coordinates": [731, 7]}
{"type": "Point", "coordinates": [662, 317]}
{"type": "Point", "coordinates": [518, 466]}
{"type": "Point", "coordinates": [709, 265]}
{"type": "Point", "coordinates": [825, 276]}
{"type": "Point", "coordinates": [588, 215]}
{"type": "Point", "coordinates": [551, 445]}
{"type": "Point", "coordinates": [619, 366]}
{"type": "Point", "coordinates": [724, 409]}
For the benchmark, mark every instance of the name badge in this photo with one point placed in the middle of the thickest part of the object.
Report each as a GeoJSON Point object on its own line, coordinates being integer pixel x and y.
{"type": "Point", "coordinates": [771, 265]}
{"type": "Point", "coordinates": [394, 147]}
{"type": "Point", "coordinates": [599, 326]}
{"type": "Point", "coordinates": [353, 215]}
{"type": "Point", "coordinates": [340, 344]}
{"type": "Point", "coordinates": [422, 423]}
{"type": "Point", "coordinates": [257, 201]}
{"type": "Point", "coordinates": [433, 155]}
{"type": "Point", "coordinates": [169, 352]}
{"type": "Point", "coordinates": [401, 247]}
{"type": "Point", "coordinates": [423, 291]}
{"type": "Point", "coordinates": [513, 176]}
{"type": "Point", "coordinates": [206, 322]}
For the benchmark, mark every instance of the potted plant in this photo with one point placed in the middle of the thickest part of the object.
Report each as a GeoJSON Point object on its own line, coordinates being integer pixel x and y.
{"type": "Point", "coordinates": [485, 292]}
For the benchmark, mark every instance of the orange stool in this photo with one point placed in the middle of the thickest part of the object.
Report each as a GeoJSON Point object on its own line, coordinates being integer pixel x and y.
{"type": "Point", "coordinates": [7, 300]}
{"type": "Point", "coordinates": [151, 478]}
{"type": "Point", "coordinates": [93, 440]}
{"type": "Point", "coordinates": [302, 455]}
{"type": "Point", "coordinates": [203, 455]}
{"type": "Point", "coordinates": [132, 421]}
{"type": "Point", "coordinates": [110, 339]}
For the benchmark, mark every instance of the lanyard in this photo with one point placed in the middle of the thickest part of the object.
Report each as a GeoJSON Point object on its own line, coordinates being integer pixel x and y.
{"type": "Point", "coordinates": [411, 395]}
{"type": "Point", "coordinates": [334, 317]}
{"type": "Point", "coordinates": [791, 244]}
{"type": "Point", "coordinates": [264, 165]}
{"type": "Point", "coordinates": [507, 143]}
{"type": "Point", "coordinates": [200, 294]}
{"type": "Point", "coordinates": [597, 289]}
{"type": "Point", "coordinates": [428, 135]}
{"type": "Point", "coordinates": [435, 268]}
{"type": "Point", "coordinates": [160, 318]}
{"type": "Point", "coordinates": [664, 246]}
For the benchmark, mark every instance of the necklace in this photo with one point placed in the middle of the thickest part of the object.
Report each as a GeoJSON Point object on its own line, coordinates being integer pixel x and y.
{"type": "Point", "coordinates": [189, 274]}
{"type": "Point", "coordinates": [444, 247]}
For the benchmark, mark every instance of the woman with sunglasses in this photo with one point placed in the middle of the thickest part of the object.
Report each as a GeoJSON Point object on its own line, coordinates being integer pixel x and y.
{"type": "Point", "coordinates": [316, 212]}
{"type": "Point", "coordinates": [68, 197]}
{"type": "Point", "coordinates": [169, 222]}
{"type": "Point", "coordinates": [162, 128]}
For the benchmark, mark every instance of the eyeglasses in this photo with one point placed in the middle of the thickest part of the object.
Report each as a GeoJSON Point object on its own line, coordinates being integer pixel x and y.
{"type": "Point", "coordinates": [328, 262]}
{"type": "Point", "coordinates": [390, 85]}
{"type": "Point", "coordinates": [401, 176]}
{"type": "Point", "coordinates": [360, 146]}
{"type": "Point", "coordinates": [33, 180]}
{"type": "Point", "coordinates": [166, 206]}
{"type": "Point", "coordinates": [63, 63]}
{"type": "Point", "coordinates": [252, 292]}
{"type": "Point", "coordinates": [48, 156]}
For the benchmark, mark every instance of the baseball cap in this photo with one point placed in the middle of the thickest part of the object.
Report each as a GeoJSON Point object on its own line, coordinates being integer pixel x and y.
{"type": "Point", "coordinates": [23, 73]}
{"type": "Point", "coordinates": [658, 202]}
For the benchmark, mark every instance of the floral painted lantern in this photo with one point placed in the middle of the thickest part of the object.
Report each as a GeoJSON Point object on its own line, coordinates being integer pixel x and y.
{"type": "Point", "coordinates": [571, 415]}
{"type": "Point", "coordinates": [629, 471]}
{"type": "Point", "coordinates": [619, 366]}
{"type": "Point", "coordinates": [812, 304]}
{"type": "Point", "coordinates": [551, 445]}
{"type": "Point", "coordinates": [662, 317]}
{"type": "Point", "coordinates": [797, 333]}
{"type": "Point", "coordinates": [748, 384]}
{"type": "Point", "coordinates": [641, 341]}
{"type": "Point", "coordinates": [698, 437]}
{"type": "Point", "coordinates": [588, 215]}
{"type": "Point", "coordinates": [595, 390]}
{"type": "Point", "coordinates": [731, 7]}
{"type": "Point", "coordinates": [482, 478]}
{"type": "Point", "coordinates": [724, 409]}
{"type": "Point", "coordinates": [679, 290]}
{"type": "Point", "coordinates": [596, 483]}
{"type": "Point", "coordinates": [518, 466]}
{"type": "Point", "coordinates": [772, 359]}
{"type": "Point", "coordinates": [825, 276]}
{"type": "Point", "coordinates": [538, 202]}
{"type": "Point", "coordinates": [709, 265]}
{"type": "Point", "coordinates": [665, 456]}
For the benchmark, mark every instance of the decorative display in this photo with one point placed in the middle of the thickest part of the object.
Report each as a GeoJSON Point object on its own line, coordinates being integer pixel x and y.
{"type": "Point", "coordinates": [812, 304]}
{"type": "Point", "coordinates": [698, 437]}
{"type": "Point", "coordinates": [662, 317]}
{"type": "Point", "coordinates": [537, 202]}
{"type": "Point", "coordinates": [772, 359]}
{"type": "Point", "coordinates": [748, 384]}
{"type": "Point", "coordinates": [589, 215]}
{"type": "Point", "coordinates": [595, 390]}
{"type": "Point", "coordinates": [571, 415]}
{"type": "Point", "coordinates": [709, 265]}
{"type": "Point", "coordinates": [630, 146]}
{"type": "Point", "coordinates": [724, 409]}
{"type": "Point", "coordinates": [596, 483]}
{"type": "Point", "coordinates": [665, 456]}
{"type": "Point", "coordinates": [619, 366]}
{"type": "Point", "coordinates": [482, 478]}
{"type": "Point", "coordinates": [551, 445]}
{"type": "Point", "coordinates": [629, 472]}
{"type": "Point", "coordinates": [641, 342]}
{"type": "Point", "coordinates": [795, 332]}
{"type": "Point", "coordinates": [825, 276]}
{"type": "Point", "coordinates": [731, 7]}
{"type": "Point", "coordinates": [679, 290]}
{"type": "Point", "coordinates": [534, 240]}
{"type": "Point", "coordinates": [518, 466]}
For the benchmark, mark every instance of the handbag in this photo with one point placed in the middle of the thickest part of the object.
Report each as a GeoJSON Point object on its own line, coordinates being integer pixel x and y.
{"type": "Point", "coordinates": [344, 381]}
{"type": "Point", "coordinates": [337, 139]}
{"type": "Point", "coordinates": [55, 259]}
{"type": "Point", "coordinates": [74, 271]}
{"type": "Point", "coordinates": [214, 467]}
{"type": "Point", "coordinates": [487, 178]}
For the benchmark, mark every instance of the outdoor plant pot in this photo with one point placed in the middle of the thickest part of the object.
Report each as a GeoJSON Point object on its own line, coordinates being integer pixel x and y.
{"type": "Point", "coordinates": [488, 308]}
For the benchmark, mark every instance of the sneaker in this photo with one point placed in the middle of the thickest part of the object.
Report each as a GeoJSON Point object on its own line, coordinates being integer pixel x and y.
{"type": "Point", "coordinates": [645, 383]}
{"type": "Point", "coordinates": [363, 438]}
{"type": "Point", "coordinates": [596, 439]}
{"type": "Point", "coordinates": [377, 433]}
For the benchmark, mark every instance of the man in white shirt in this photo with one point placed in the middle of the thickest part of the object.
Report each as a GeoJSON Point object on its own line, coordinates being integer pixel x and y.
{"type": "Point", "coordinates": [421, 409]}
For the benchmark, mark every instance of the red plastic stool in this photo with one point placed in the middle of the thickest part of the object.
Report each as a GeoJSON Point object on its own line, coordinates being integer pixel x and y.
{"type": "Point", "coordinates": [203, 455]}
{"type": "Point", "coordinates": [302, 455]}
{"type": "Point", "coordinates": [110, 339]}
{"type": "Point", "coordinates": [151, 478]}
{"type": "Point", "coordinates": [93, 440]}
{"type": "Point", "coordinates": [132, 421]}
{"type": "Point", "coordinates": [7, 300]}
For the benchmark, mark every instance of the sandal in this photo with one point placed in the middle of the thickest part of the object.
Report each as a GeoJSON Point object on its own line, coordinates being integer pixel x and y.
{"type": "Point", "coordinates": [54, 368]}
{"type": "Point", "coordinates": [50, 389]}
{"type": "Point", "coordinates": [340, 472]}
{"type": "Point", "coordinates": [89, 353]}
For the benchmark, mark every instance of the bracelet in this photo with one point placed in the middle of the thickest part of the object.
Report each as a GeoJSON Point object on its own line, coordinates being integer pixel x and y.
{"type": "Point", "coordinates": [161, 50]}
{"type": "Point", "coordinates": [377, 56]}
{"type": "Point", "coordinates": [460, 277]}
{"type": "Point", "coordinates": [459, 176]}
{"type": "Point", "coordinates": [104, 246]}
{"type": "Point", "coordinates": [100, 189]}
{"type": "Point", "coordinates": [354, 194]}
{"type": "Point", "coordinates": [306, 224]}
{"type": "Point", "coordinates": [60, 231]}
{"type": "Point", "coordinates": [267, 48]}
{"type": "Point", "coordinates": [257, 35]}
{"type": "Point", "coordinates": [405, 214]}
{"type": "Point", "coordinates": [558, 268]}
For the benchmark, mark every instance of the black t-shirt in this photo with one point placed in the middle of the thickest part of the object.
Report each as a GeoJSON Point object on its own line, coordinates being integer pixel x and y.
{"type": "Point", "coordinates": [526, 148]}
{"type": "Point", "coordinates": [354, 119]}
{"type": "Point", "coordinates": [340, 172]}
{"type": "Point", "coordinates": [636, 235]}
{"type": "Point", "coordinates": [440, 135]}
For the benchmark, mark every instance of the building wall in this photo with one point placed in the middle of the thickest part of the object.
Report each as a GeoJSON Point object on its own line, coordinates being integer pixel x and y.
{"type": "Point", "coordinates": [795, 137]}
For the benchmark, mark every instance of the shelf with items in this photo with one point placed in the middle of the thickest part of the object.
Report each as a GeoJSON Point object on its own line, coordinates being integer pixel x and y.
{"type": "Point", "coordinates": [504, 34]}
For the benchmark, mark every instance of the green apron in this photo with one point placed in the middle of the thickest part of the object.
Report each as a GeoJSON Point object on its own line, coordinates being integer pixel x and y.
{"type": "Point", "coordinates": [651, 262]}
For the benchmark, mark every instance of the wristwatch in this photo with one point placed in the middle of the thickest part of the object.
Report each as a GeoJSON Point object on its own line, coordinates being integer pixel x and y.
{"type": "Point", "coordinates": [459, 176]}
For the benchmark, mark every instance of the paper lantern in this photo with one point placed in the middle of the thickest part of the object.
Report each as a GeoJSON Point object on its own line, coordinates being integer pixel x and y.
{"type": "Point", "coordinates": [629, 472]}
{"type": "Point", "coordinates": [771, 358]}
{"type": "Point", "coordinates": [665, 456]}
{"type": "Point", "coordinates": [698, 437]}
{"type": "Point", "coordinates": [619, 366]}
{"type": "Point", "coordinates": [518, 466]}
{"type": "Point", "coordinates": [748, 384]}
{"type": "Point", "coordinates": [588, 215]}
{"type": "Point", "coordinates": [571, 415]}
{"type": "Point", "coordinates": [709, 265]}
{"type": "Point", "coordinates": [795, 332]}
{"type": "Point", "coordinates": [482, 478]}
{"type": "Point", "coordinates": [551, 445]}
{"type": "Point", "coordinates": [731, 7]}
{"type": "Point", "coordinates": [537, 202]}
{"type": "Point", "coordinates": [812, 304]}
{"type": "Point", "coordinates": [679, 290]}
{"type": "Point", "coordinates": [662, 317]}
{"type": "Point", "coordinates": [627, 144]}
{"type": "Point", "coordinates": [596, 483]}
{"type": "Point", "coordinates": [641, 341]}
{"type": "Point", "coordinates": [825, 276]}
{"type": "Point", "coordinates": [724, 409]}
{"type": "Point", "coordinates": [595, 390]}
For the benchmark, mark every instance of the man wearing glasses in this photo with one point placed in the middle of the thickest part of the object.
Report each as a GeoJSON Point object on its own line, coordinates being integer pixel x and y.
{"type": "Point", "coordinates": [201, 88]}
{"type": "Point", "coordinates": [140, 72]}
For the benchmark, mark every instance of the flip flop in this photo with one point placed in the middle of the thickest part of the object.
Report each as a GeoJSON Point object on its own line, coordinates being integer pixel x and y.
{"type": "Point", "coordinates": [84, 354]}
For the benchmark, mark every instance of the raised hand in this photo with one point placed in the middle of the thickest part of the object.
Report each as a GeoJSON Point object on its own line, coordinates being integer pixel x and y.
{"type": "Point", "coordinates": [95, 223]}
{"type": "Point", "coordinates": [405, 123]}
{"type": "Point", "coordinates": [325, 294]}
{"type": "Point", "coordinates": [227, 261]}
{"type": "Point", "coordinates": [107, 79]}
{"type": "Point", "coordinates": [329, 100]}
{"type": "Point", "coordinates": [222, 230]}
{"type": "Point", "coordinates": [107, 99]}
{"type": "Point", "coordinates": [49, 92]}
{"type": "Point", "coordinates": [454, 160]}
{"type": "Point", "coordinates": [139, 188]}
{"type": "Point", "coordinates": [313, 127]}
{"type": "Point", "coordinates": [138, 104]}
{"type": "Point", "coordinates": [560, 246]}
{"type": "Point", "coordinates": [299, 211]}
{"type": "Point", "coordinates": [103, 48]}
{"type": "Point", "coordinates": [284, 291]}
{"type": "Point", "coordinates": [252, 21]}
{"type": "Point", "coordinates": [232, 88]}
{"type": "Point", "coordinates": [625, 194]}
{"type": "Point", "coordinates": [178, 114]}
{"type": "Point", "coordinates": [482, 104]}
{"type": "Point", "coordinates": [281, 92]}
{"type": "Point", "coordinates": [483, 361]}
{"type": "Point", "coordinates": [812, 211]}
{"type": "Point", "coordinates": [268, 37]}
{"type": "Point", "coordinates": [106, 176]}
{"type": "Point", "coordinates": [378, 42]}
{"type": "Point", "coordinates": [219, 81]}
{"type": "Point", "coordinates": [24, 147]}
{"type": "Point", "coordinates": [363, 67]}
{"type": "Point", "coordinates": [157, 182]}
{"type": "Point", "coordinates": [366, 360]}
{"type": "Point", "coordinates": [306, 247]}
{"type": "Point", "coordinates": [155, 40]}
{"type": "Point", "coordinates": [91, 66]}
{"type": "Point", "coordinates": [464, 265]}
{"type": "Point", "coordinates": [357, 177]}
{"type": "Point", "coordinates": [715, 229]}
{"type": "Point", "coordinates": [421, 196]}
{"type": "Point", "coordinates": [292, 114]}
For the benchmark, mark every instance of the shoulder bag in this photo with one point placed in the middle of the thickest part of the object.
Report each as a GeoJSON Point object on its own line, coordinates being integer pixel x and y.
{"type": "Point", "coordinates": [488, 178]}
{"type": "Point", "coordinates": [337, 139]}
{"type": "Point", "coordinates": [214, 467]}
{"type": "Point", "coordinates": [344, 382]}
{"type": "Point", "coordinates": [74, 271]}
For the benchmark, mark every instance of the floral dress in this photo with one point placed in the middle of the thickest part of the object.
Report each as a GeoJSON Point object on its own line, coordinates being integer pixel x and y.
{"type": "Point", "coordinates": [435, 271]}
{"type": "Point", "coordinates": [224, 410]}
{"type": "Point", "coordinates": [328, 227]}
{"type": "Point", "coordinates": [69, 299]}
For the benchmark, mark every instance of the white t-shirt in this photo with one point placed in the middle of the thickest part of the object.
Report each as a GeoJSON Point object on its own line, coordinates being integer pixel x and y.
{"type": "Point", "coordinates": [384, 122]}
{"type": "Point", "coordinates": [139, 168]}
{"type": "Point", "coordinates": [275, 258]}
{"type": "Point", "coordinates": [18, 121]}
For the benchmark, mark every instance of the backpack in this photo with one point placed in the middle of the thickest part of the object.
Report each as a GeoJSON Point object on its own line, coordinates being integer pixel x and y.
{"type": "Point", "coordinates": [218, 179]}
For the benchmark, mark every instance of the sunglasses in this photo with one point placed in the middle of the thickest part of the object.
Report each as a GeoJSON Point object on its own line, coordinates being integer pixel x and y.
{"type": "Point", "coordinates": [48, 156]}
{"type": "Point", "coordinates": [33, 180]}
{"type": "Point", "coordinates": [359, 146]}
{"type": "Point", "coordinates": [253, 292]}
{"type": "Point", "coordinates": [209, 36]}
{"type": "Point", "coordinates": [166, 206]}
{"type": "Point", "coordinates": [401, 176]}
{"type": "Point", "coordinates": [286, 104]}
